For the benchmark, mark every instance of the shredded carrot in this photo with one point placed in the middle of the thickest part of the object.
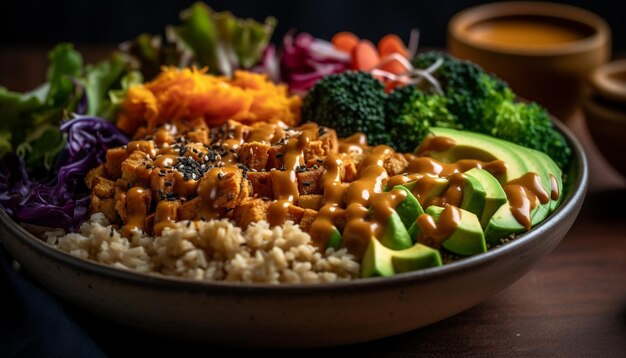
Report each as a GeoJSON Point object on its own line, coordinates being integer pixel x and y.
{"type": "Point", "coordinates": [390, 44]}
{"type": "Point", "coordinates": [345, 41]}
{"type": "Point", "coordinates": [364, 56]}
{"type": "Point", "coordinates": [191, 93]}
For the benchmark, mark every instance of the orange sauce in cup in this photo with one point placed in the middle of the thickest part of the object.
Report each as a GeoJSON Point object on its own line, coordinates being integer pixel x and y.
{"type": "Point", "coordinates": [527, 32]}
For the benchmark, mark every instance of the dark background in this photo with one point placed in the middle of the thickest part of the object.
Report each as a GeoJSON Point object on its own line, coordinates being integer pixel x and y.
{"type": "Point", "coordinates": [27, 23]}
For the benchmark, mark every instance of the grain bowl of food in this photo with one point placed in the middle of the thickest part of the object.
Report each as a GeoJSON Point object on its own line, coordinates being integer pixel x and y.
{"type": "Point", "coordinates": [396, 191]}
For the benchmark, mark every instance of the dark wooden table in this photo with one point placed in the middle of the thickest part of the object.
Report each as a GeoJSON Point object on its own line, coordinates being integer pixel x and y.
{"type": "Point", "coordinates": [572, 304]}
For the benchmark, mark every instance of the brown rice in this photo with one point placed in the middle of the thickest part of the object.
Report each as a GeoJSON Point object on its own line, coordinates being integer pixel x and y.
{"type": "Point", "coordinates": [214, 250]}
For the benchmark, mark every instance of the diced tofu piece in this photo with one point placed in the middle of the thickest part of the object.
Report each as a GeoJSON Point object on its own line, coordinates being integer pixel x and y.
{"type": "Point", "coordinates": [313, 150]}
{"type": "Point", "coordinates": [138, 201]}
{"type": "Point", "coordinates": [311, 201]}
{"type": "Point", "coordinates": [395, 164]}
{"type": "Point", "coordinates": [261, 184]}
{"type": "Point", "coordinates": [224, 189]}
{"type": "Point", "coordinates": [189, 210]}
{"type": "Point", "coordinates": [200, 135]}
{"type": "Point", "coordinates": [99, 171]}
{"type": "Point", "coordinates": [249, 211]}
{"type": "Point", "coordinates": [275, 157]}
{"type": "Point", "coordinates": [114, 159]}
{"type": "Point", "coordinates": [254, 155]}
{"type": "Point", "coordinates": [161, 183]}
{"type": "Point", "coordinates": [137, 168]}
{"type": "Point", "coordinates": [309, 181]}
{"type": "Point", "coordinates": [330, 144]}
{"type": "Point", "coordinates": [307, 219]}
{"type": "Point", "coordinates": [145, 146]}
{"type": "Point", "coordinates": [103, 188]}
{"type": "Point", "coordinates": [120, 202]}
{"type": "Point", "coordinates": [165, 215]}
{"type": "Point", "coordinates": [105, 206]}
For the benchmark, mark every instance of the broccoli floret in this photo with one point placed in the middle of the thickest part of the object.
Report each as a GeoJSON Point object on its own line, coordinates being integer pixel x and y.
{"type": "Point", "coordinates": [469, 89]}
{"type": "Point", "coordinates": [529, 125]}
{"type": "Point", "coordinates": [410, 113]}
{"type": "Point", "coordinates": [349, 102]}
{"type": "Point", "coordinates": [483, 103]}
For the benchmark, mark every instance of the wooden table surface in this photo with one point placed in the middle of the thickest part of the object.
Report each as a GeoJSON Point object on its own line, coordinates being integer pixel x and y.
{"type": "Point", "coordinates": [572, 304]}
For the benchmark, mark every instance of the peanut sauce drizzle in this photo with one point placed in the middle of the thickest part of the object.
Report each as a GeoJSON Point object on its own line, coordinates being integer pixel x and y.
{"type": "Point", "coordinates": [434, 233]}
{"type": "Point", "coordinates": [524, 194]}
{"type": "Point", "coordinates": [359, 209]}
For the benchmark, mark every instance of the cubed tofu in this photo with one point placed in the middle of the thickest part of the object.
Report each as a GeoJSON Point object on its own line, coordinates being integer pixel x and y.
{"type": "Point", "coordinates": [307, 219]}
{"type": "Point", "coordinates": [189, 210]}
{"type": "Point", "coordinates": [275, 157]}
{"type": "Point", "coordinates": [330, 144]}
{"type": "Point", "coordinates": [309, 181]}
{"type": "Point", "coordinates": [230, 188]}
{"type": "Point", "coordinates": [99, 171]}
{"type": "Point", "coordinates": [161, 183]}
{"type": "Point", "coordinates": [249, 211]}
{"type": "Point", "coordinates": [137, 168]}
{"type": "Point", "coordinates": [261, 184]}
{"type": "Point", "coordinates": [313, 150]}
{"type": "Point", "coordinates": [311, 201]}
{"type": "Point", "coordinates": [165, 215]}
{"type": "Point", "coordinates": [395, 164]}
{"type": "Point", "coordinates": [114, 159]}
{"type": "Point", "coordinates": [105, 206]}
{"type": "Point", "coordinates": [103, 188]}
{"type": "Point", "coordinates": [254, 155]}
{"type": "Point", "coordinates": [145, 146]}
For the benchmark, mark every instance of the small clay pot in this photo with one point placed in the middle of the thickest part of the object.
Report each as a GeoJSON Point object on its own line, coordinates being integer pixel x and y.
{"type": "Point", "coordinates": [605, 112]}
{"type": "Point", "coordinates": [545, 51]}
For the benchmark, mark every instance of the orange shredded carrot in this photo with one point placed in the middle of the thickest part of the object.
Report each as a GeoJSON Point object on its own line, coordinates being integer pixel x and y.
{"type": "Point", "coordinates": [190, 93]}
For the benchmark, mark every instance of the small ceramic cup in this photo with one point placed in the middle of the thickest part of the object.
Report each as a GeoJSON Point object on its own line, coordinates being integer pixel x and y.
{"type": "Point", "coordinates": [605, 112]}
{"type": "Point", "coordinates": [545, 51]}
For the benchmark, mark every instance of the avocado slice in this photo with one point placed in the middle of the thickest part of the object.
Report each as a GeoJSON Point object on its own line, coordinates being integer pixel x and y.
{"type": "Point", "coordinates": [468, 237]}
{"type": "Point", "coordinates": [395, 235]}
{"type": "Point", "coordinates": [381, 261]}
{"type": "Point", "coordinates": [436, 187]}
{"type": "Point", "coordinates": [520, 160]}
{"type": "Point", "coordinates": [335, 239]}
{"type": "Point", "coordinates": [482, 195]}
{"type": "Point", "coordinates": [502, 224]}
{"type": "Point", "coordinates": [409, 209]}
{"type": "Point", "coordinates": [554, 170]}
{"type": "Point", "coordinates": [470, 145]}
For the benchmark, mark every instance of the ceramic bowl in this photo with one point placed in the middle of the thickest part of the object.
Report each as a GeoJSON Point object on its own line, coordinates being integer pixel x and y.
{"type": "Point", "coordinates": [295, 316]}
{"type": "Point", "coordinates": [550, 72]}
{"type": "Point", "coordinates": [605, 112]}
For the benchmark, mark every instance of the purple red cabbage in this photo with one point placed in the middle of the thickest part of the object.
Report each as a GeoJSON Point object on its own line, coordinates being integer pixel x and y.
{"type": "Point", "coordinates": [63, 199]}
{"type": "Point", "coordinates": [305, 60]}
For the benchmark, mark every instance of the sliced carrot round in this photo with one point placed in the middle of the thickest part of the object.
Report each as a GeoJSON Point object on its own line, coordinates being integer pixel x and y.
{"type": "Point", "coordinates": [365, 56]}
{"type": "Point", "coordinates": [390, 44]}
{"type": "Point", "coordinates": [345, 41]}
{"type": "Point", "coordinates": [394, 66]}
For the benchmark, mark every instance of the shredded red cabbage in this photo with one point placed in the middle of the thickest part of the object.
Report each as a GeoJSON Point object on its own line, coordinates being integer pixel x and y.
{"type": "Point", "coordinates": [62, 201]}
{"type": "Point", "coordinates": [305, 60]}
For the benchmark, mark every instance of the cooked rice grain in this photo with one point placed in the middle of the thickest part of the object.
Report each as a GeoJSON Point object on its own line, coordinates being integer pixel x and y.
{"type": "Point", "coordinates": [214, 250]}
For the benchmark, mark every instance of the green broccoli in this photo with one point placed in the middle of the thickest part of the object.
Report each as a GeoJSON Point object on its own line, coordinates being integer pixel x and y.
{"type": "Point", "coordinates": [470, 90]}
{"type": "Point", "coordinates": [529, 125]}
{"type": "Point", "coordinates": [411, 112]}
{"type": "Point", "coordinates": [349, 102]}
{"type": "Point", "coordinates": [483, 103]}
